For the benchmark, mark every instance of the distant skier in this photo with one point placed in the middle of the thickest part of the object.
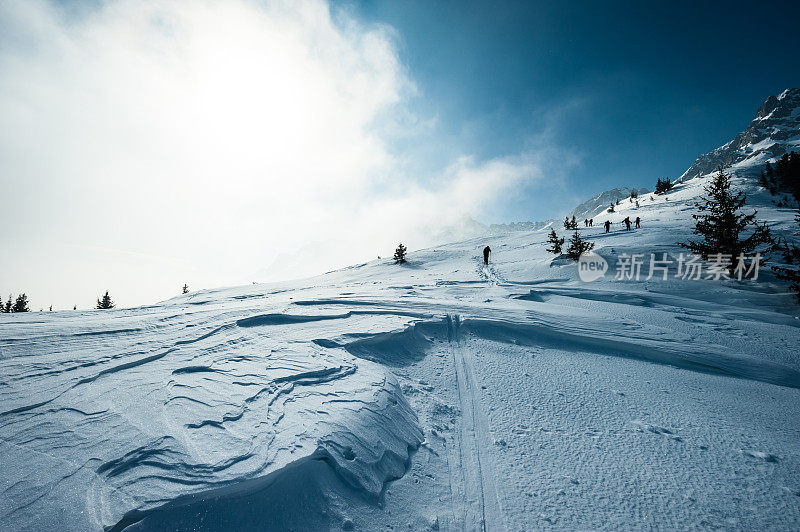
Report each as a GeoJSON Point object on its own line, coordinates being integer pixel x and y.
{"type": "Point", "coordinates": [585, 222]}
{"type": "Point", "coordinates": [627, 221]}
{"type": "Point", "coordinates": [637, 223]}
{"type": "Point", "coordinates": [486, 252]}
{"type": "Point", "coordinates": [591, 222]}
{"type": "Point", "coordinates": [608, 226]}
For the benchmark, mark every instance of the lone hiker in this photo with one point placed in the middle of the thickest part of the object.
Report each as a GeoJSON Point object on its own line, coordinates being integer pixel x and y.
{"type": "Point", "coordinates": [627, 221]}
{"type": "Point", "coordinates": [608, 226]}
{"type": "Point", "coordinates": [637, 223]}
{"type": "Point", "coordinates": [486, 252]}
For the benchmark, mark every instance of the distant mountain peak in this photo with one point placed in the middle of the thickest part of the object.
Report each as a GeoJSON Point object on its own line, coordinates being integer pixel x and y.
{"type": "Point", "coordinates": [774, 131]}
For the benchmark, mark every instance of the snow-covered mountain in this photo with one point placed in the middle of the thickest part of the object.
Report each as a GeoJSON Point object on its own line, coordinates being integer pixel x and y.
{"type": "Point", "coordinates": [440, 394]}
{"type": "Point", "coordinates": [594, 206]}
{"type": "Point", "coordinates": [513, 227]}
{"type": "Point", "coordinates": [774, 131]}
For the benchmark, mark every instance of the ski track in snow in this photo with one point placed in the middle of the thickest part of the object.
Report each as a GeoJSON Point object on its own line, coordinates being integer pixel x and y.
{"type": "Point", "coordinates": [474, 461]}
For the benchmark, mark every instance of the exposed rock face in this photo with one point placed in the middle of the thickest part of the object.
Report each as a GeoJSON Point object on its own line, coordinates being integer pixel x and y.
{"type": "Point", "coordinates": [774, 131]}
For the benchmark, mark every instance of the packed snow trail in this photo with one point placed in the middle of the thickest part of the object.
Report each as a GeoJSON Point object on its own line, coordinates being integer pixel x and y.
{"type": "Point", "coordinates": [482, 507]}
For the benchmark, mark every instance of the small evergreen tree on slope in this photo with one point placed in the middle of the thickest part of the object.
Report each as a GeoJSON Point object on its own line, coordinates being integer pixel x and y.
{"type": "Point", "coordinates": [577, 245]}
{"type": "Point", "coordinates": [21, 304]}
{"type": "Point", "coordinates": [105, 302]}
{"type": "Point", "coordinates": [791, 271]}
{"type": "Point", "coordinates": [721, 226]}
{"type": "Point", "coordinates": [663, 185]}
{"type": "Point", "coordinates": [400, 254]}
{"type": "Point", "coordinates": [556, 242]}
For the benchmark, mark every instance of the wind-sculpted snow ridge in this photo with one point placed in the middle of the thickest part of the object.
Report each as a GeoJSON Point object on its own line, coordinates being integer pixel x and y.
{"type": "Point", "coordinates": [642, 342]}
{"type": "Point", "coordinates": [211, 414]}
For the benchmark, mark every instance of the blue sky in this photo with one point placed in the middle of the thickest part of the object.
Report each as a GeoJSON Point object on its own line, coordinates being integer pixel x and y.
{"type": "Point", "coordinates": [636, 89]}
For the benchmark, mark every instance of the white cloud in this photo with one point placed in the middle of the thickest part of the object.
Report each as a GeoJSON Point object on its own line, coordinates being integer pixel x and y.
{"type": "Point", "coordinates": [205, 139]}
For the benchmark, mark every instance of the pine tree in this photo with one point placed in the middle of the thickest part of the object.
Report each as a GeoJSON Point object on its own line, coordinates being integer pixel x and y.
{"type": "Point", "coordinates": [791, 256]}
{"type": "Point", "coordinates": [577, 246]}
{"type": "Point", "coordinates": [8, 308]}
{"type": "Point", "coordinates": [567, 225]}
{"type": "Point", "coordinates": [556, 242]}
{"type": "Point", "coordinates": [400, 254]}
{"type": "Point", "coordinates": [21, 304]}
{"type": "Point", "coordinates": [105, 302]}
{"type": "Point", "coordinates": [767, 179]}
{"type": "Point", "coordinates": [787, 175]}
{"type": "Point", "coordinates": [721, 226]}
{"type": "Point", "coordinates": [185, 288]}
{"type": "Point", "coordinates": [663, 185]}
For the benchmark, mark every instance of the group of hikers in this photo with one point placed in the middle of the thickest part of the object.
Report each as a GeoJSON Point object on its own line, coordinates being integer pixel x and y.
{"type": "Point", "coordinates": [588, 222]}
{"type": "Point", "coordinates": [627, 222]}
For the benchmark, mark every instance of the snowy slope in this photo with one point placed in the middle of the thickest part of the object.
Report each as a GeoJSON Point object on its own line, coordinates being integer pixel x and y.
{"type": "Point", "coordinates": [514, 396]}
{"type": "Point", "coordinates": [597, 204]}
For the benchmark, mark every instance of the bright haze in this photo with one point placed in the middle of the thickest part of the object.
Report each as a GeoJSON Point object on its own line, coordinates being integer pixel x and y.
{"type": "Point", "coordinates": [145, 145]}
